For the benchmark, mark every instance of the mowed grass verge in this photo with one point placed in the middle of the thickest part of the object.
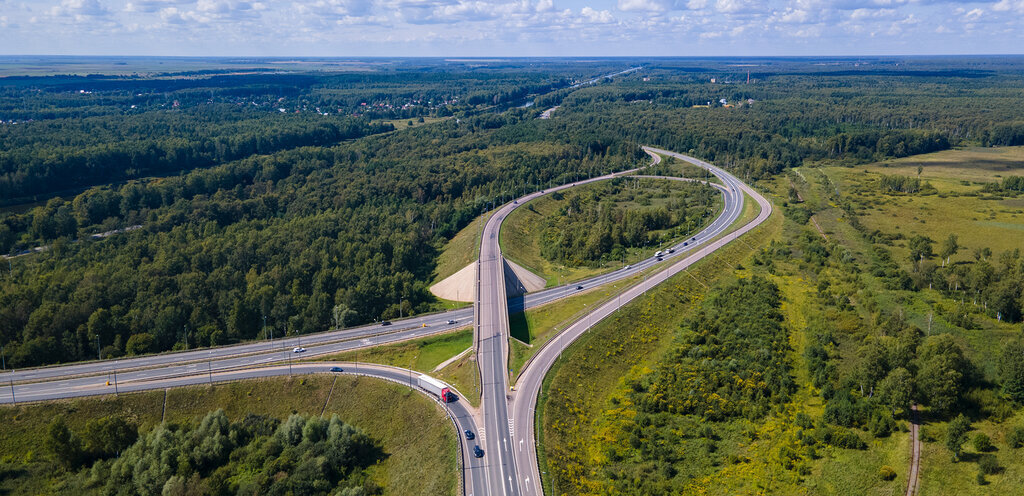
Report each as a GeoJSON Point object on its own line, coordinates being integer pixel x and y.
{"type": "Point", "coordinates": [424, 355]}
{"type": "Point", "coordinates": [533, 328]}
{"type": "Point", "coordinates": [412, 428]}
{"type": "Point", "coordinates": [460, 251]}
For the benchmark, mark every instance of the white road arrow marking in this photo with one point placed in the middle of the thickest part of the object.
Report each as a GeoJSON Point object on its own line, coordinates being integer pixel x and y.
{"type": "Point", "coordinates": [521, 446]}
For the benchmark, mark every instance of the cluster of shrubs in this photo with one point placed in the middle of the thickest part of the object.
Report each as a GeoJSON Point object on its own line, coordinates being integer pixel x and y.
{"type": "Point", "coordinates": [255, 455]}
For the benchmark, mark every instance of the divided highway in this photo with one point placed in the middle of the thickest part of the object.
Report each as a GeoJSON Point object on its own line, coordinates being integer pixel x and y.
{"type": "Point", "coordinates": [509, 466]}
{"type": "Point", "coordinates": [530, 380]}
{"type": "Point", "coordinates": [491, 333]}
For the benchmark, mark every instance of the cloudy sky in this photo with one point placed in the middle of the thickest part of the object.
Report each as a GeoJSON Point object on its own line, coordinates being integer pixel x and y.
{"type": "Point", "coordinates": [521, 28]}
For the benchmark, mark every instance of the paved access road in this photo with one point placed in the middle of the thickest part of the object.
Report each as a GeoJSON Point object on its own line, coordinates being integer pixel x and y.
{"type": "Point", "coordinates": [530, 380]}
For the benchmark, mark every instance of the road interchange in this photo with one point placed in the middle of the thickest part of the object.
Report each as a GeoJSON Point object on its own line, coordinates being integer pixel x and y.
{"type": "Point", "coordinates": [508, 439]}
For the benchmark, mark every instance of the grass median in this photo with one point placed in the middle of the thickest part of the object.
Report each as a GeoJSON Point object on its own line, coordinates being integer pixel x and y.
{"type": "Point", "coordinates": [424, 355]}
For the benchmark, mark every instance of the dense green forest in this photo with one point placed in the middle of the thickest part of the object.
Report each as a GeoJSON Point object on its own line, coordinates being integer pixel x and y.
{"type": "Point", "coordinates": [255, 455]}
{"type": "Point", "coordinates": [247, 211]}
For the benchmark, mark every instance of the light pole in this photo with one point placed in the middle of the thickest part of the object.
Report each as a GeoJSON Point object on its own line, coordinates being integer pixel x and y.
{"type": "Point", "coordinates": [3, 358]}
{"type": "Point", "coordinates": [115, 378]}
{"type": "Point", "coordinates": [209, 366]}
{"type": "Point", "coordinates": [13, 399]}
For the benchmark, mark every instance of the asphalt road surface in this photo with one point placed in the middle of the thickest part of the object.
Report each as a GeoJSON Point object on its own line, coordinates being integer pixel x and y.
{"type": "Point", "coordinates": [502, 444]}
{"type": "Point", "coordinates": [503, 449]}
{"type": "Point", "coordinates": [530, 380]}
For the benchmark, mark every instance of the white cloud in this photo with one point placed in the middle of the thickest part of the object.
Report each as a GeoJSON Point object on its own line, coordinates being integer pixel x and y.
{"type": "Point", "coordinates": [866, 14]}
{"type": "Point", "coordinates": [596, 16]}
{"type": "Point", "coordinates": [732, 6]}
{"type": "Point", "coordinates": [1009, 5]}
{"type": "Point", "coordinates": [794, 16]}
{"type": "Point", "coordinates": [644, 5]}
{"type": "Point", "coordinates": [522, 27]}
{"type": "Point", "coordinates": [974, 15]}
{"type": "Point", "coordinates": [337, 8]}
{"type": "Point", "coordinates": [150, 6]}
{"type": "Point", "coordinates": [79, 9]}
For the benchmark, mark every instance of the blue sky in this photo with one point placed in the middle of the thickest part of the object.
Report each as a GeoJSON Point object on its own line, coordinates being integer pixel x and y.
{"type": "Point", "coordinates": [345, 28]}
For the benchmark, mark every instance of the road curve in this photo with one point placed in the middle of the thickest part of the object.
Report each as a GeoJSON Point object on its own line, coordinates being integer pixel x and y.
{"type": "Point", "coordinates": [491, 331]}
{"type": "Point", "coordinates": [530, 380]}
{"type": "Point", "coordinates": [459, 411]}
{"type": "Point", "coordinates": [228, 363]}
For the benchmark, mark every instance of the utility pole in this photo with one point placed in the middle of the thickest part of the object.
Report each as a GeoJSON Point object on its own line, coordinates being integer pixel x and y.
{"type": "Point", "coordinates": [185, 329]}
{"type": "Point", "coordinates": [264, 327]}
{"type": "Point", "coordinates": [3, 358]}
{"type": "Point", "coordinates": [13, 399]}
{"type": "Point", "coordinates": [115, 379]}
{"type": "Point", "coordinates": [209, 366]}
{"type": "Point", "coordinates": [99, 354]}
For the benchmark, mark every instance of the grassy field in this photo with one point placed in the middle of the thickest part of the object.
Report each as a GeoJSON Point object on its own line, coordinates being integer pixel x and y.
{"type": "Point", "coordinates": [576, 390]}
{"type": "Point", "coordinates": [957, 206]}
{"type": "Point", "coordinates": [979, 220]}
{"type": "Point", "coordinates": [417, 354]}
{"type": "Point", "coordinates": [425, 436]}
{"type": "Point", "coordinates": [520, 236]}
{"type": "Point", "coordinates": [465, 376]}
{"type": "Point", "coordinates": [940, 475]}
{"type": "Point", "coordinates": [535, 327]}
{"type": "Point", "coordinates": [401, 124]}
{"type": "Point", "coordinates": [460, 251]}
{"type": "Point", "coordinates": [424, 355]}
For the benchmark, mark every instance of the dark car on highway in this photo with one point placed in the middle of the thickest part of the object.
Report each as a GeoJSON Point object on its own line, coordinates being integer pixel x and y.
{"type": "Point", "coordinates": [477, 452]}
{"type": "Point", "coordinates": [386, 323]}
{"type": "Point", "coordinates": [579, 287]}
{"type": "Point", "coordinates": [470, 435]}
{"type": "Point", "coordinates": [337, 369]}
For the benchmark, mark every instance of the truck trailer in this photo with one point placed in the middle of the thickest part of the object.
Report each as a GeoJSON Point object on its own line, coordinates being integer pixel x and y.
{"type": "Point", "coordinates": [437, 388]}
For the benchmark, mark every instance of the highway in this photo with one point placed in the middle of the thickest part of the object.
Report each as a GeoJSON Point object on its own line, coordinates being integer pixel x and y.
{"type": "Point", "coordinates": [504, 451]}
{"type": "Point", "coordinates": [530, 380]}
{"type": "Point", "coordinates": [458, 411]}
{"type": "Point", "coordinates": [491, 334]}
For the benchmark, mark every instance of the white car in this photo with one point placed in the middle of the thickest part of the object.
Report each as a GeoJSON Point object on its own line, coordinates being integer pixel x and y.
{"type": "Point", "coordinates": [298, 349]}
